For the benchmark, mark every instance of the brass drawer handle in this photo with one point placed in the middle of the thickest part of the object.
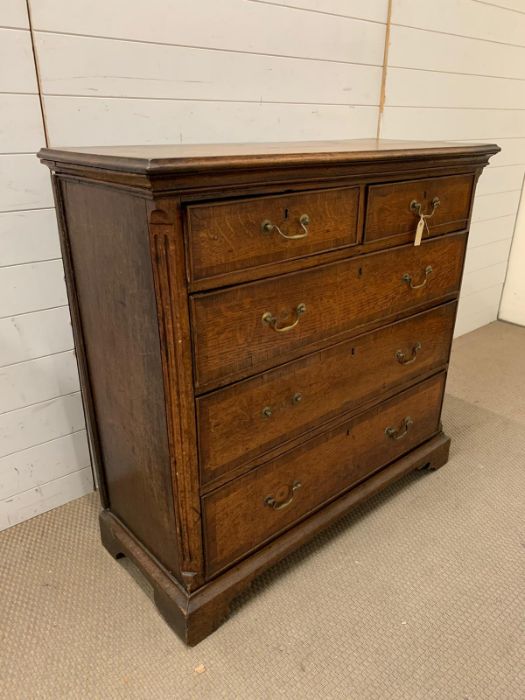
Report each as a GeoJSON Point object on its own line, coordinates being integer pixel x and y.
{"type": "Point", "coordinates": [416, 208]}
{"type": "Point", "coordinates": [398, 433]}
{"type": "Point", "coordinates": [288, 497]}
{"type": "Point", "coordinates": [400, 355]}
{"type": "Point", "coordinates": [271, 320]}
{"type": "Point", "coordinates": [304, 220]}
{"type": "Point", "coordinates": [408, 278]}
{"type": "Point", "coordinates": [267, 411]}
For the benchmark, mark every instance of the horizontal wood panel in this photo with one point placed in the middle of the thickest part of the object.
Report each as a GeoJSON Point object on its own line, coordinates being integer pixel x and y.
{"type": "Point", "coordinates": [13, 13]}
{"type": "Point", "coordinates": [437, 123]}
{"type": "Point", "coordinates": [487, 277]}
{"type": "Point", "coordinates": [17, 53]}
{"type": "Point", "coordinates": [122, 121]}
{"type": "Point", "coordinates": [409, 87]}
{"type": "Point", "coordinates": [28, 236]}
{"type": "Point", "coordinates": [505, 179]}
{"type": "Point", "coordinates": [38, 380]}
{"type": "Point", "coordinates": [21, 129]}
{"type": "Point", "coordinates": [24, 183]}
{"type": "Point", "coordinates": [35, 335]}
{"type": "Point", "coordinates": [38, 500]}
{"type": "Point", "coordinates": [230, 235]}
{"type": "Point", "coordinates": [512, 152]}
{"type": "Point", "coordinates": [31, 287]}
{"type": "Point", "coordinates": [73, 65]}
{"type": "Point", "coordinates": [485, 255]}
{"type": "Point", "coordinates": [492, 206]}
{"type": "Point", "coordinates": [416, 48]}
{"type": "Point", "coordinates": [43, 463]}
{"type": "Point", "coordinates": [374, 10]}
{"type": "Point", "coordinates": [478, 309]}
{"type": "Point", "coordinates": [233, 427]}
{"type": "Point", "coordinates": [231, 25]}
{"type": "Point", "coordinates": [483, 232]}
{"type": "Point", "coordinates": [33, 425]}
{"type": "Point", "coordinates": [470, 19]}
{"type": "Point", "coordinates": [237, 517]}
{"type": "Point", "coordinates": [509, 4]}
{"type": "Point", "coordinates": [231, 339]}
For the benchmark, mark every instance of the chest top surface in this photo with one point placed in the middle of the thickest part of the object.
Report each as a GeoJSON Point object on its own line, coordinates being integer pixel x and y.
{"type": "Point", "coordinates": [151, 159]}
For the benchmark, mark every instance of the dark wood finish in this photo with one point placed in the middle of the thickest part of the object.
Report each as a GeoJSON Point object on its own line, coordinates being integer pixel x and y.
{"type": "Point", "coordinates": [118, 317]}
{"type": "Point", "coordinates": [231, 341]}
{"type": "Point", "coordinates": [228, 235]}
{"type": "Point", "coordinates": [193, 616]}
{"type": "Point", "coordinates": [237, 516]}
{"type": "Point", "coordinates": [203, 157]}
{"type": "Point", "coordinates": [233, 428]}
{"type": "Point", "coordinates": [389, 213]}
{"type": "Point", "coordinates": [168, 282]}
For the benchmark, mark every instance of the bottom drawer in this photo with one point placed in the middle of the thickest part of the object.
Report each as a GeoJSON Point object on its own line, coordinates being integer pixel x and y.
{"type": "Point", "coordinates": [253, 508]}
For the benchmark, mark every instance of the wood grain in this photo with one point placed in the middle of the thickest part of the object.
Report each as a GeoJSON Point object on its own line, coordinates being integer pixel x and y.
{"type": "Point", "coordinates": [227, 236]}
{"type": "Point", "coordinates": [233, 430]}
{"type": "Point", "coordinates": [237, 516]}
{"type": "Point", "coordinates": [119, 320]}
{"type": "Point", "coordinates": [389, 213]}
{"type": "Point", "coordinates": [231, 340]}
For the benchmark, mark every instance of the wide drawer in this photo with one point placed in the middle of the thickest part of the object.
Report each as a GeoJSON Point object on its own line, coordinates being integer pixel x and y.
{"type": "Point", "coordinates": [254, 508]}
{"type": "Point", "coordinates": [394, 209]}
{"type": "Point", "coordinates": [245, 329]}
{"type": "Point", "coordinates": [233, 235]}
{"type": "Point", "coordinates": [241, 421]}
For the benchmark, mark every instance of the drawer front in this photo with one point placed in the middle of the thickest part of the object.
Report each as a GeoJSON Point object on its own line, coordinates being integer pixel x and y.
{"type": "Point", "coordinates": [242, 330]}
{"type": "Point", "coordinates": [447, 199]}
{"type": "Point", "coordinates": [228, 236]}
{"type": "Point", "coordinates": [250, 510]}
{"type": "Point", "coordinates": [238, 423]}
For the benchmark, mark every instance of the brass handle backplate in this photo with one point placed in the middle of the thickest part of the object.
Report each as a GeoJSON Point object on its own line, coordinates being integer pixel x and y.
{"type": "Point", "coordinates": [408, 278]}
{"type": "Point", "coordinates": [398, 433]}
{"type": "Point", "coordinates": [401, 358]}
{"type": "Point", "coordinates": [417, 206]}
{"type": "Point", "coordinates": [284, 496]}
{"type": "Point", "coordinates": [304, 220]}
{"type": "Point", "coordinates": [272, 320]}
{"type": "Point", "coordinates": [267, 411]}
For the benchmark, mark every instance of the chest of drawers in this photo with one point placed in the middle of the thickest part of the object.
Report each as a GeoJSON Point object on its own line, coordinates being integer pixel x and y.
{"type": "Point", "coordinates": [262, 343]}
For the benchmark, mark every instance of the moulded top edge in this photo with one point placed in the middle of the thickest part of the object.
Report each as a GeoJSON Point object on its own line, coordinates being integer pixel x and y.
{"type": "Point", "coordinates": [152, 159]}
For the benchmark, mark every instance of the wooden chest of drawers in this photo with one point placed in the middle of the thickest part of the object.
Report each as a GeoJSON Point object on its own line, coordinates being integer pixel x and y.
{"type": "Point", "coordinates": [262, 341]}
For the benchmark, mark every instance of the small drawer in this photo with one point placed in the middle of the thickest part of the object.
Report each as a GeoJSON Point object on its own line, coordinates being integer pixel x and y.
{"type": "Point", "coordinates": [238, 423]}
{"type": "Point", "coordinates": [394, 209]}
{"type": "Point", "coordinates": [254, 508]}
{"type": "Point", "coordinates": [234, 235]}
{"type": "Point", "coordinates": [243, 330]}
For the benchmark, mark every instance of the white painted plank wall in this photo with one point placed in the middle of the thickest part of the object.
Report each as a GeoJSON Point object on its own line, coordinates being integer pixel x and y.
{"type": "Point", "coordinates": [114, 74]}
{"type": "Point", "coordinates": [456, 70]}
{"type": "Point", "coordinates": [172, 71]}
{"type": "Point", "coordinates": [44, 460]}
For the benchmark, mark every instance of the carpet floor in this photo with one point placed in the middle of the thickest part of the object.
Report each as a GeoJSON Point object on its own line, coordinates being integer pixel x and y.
{"type": "Point", "coordinates": [419, 593]}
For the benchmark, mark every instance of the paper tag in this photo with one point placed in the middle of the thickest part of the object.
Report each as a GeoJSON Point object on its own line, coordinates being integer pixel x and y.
{"type": "Point", "coordinates": [419, 231]}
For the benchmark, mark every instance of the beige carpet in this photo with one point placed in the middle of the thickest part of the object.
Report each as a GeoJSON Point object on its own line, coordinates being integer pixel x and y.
{"type": "Point", "coordinates": [418, 594]}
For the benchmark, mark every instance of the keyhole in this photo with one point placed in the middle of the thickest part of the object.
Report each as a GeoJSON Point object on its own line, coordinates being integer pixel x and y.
{"type": "Point", "coordinates": [353, 351]}
{"type": "Point", "coordinates": [360, 272]}
{"type": "Point", "coordinates": [286, 213]}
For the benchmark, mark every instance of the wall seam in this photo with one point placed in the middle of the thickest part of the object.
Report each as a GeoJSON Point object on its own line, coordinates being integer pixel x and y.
{"type": "Point", "coordinates": [37, 73]}
{"type": "Point", "coordinates": [385, 68]}
{"type": "Point", "coordinates": [512, 242]}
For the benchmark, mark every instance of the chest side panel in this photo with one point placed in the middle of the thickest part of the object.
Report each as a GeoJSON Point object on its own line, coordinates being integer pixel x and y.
{"type": "Point", "coordinates": [108, 240]}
